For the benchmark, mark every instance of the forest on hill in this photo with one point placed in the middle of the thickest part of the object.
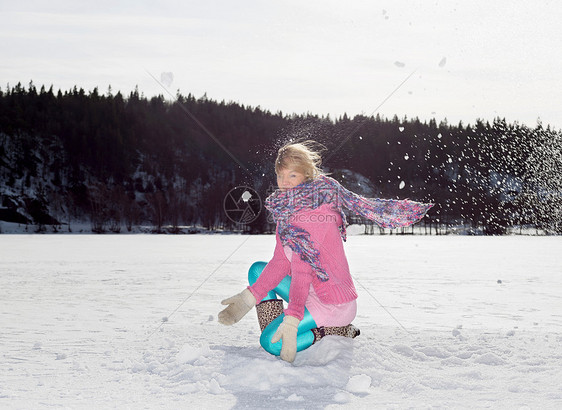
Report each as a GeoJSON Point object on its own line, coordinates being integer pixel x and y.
{"type": "Point", "coordinates": [118, 162]}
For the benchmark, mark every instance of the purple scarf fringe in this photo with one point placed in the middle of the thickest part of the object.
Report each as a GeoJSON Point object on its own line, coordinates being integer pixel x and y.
{"type": "Point", "coordinates": [387, 213]}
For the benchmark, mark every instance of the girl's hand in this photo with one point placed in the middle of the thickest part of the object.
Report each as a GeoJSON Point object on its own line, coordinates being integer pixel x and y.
{"type": "Point", "coordinates": [287, 333]}
{"type": "Point", "coordinates": [238, 306]}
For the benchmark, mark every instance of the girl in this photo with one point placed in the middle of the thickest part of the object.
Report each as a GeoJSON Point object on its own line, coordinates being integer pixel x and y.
{"type": "Point", "coordinates": [309, 268]}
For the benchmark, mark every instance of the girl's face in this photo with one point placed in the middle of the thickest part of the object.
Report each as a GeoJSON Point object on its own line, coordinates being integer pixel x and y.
{"type": "Point", "coordinates": [289, 178]}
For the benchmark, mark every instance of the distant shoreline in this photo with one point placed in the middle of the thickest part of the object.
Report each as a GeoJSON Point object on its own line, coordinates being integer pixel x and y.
{"type": "Point", "coordinates": [85, 228]}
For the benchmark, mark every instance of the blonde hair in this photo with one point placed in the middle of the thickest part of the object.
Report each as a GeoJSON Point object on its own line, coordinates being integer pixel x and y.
{"type": "Point", "coordinates": [302, 157]}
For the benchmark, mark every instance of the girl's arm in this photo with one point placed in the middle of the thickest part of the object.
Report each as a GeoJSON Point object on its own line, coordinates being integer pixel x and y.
{"type": "Point", "coordinates": [301, 278]}
{"type": "Point", "coordinates": [317, 223]}
{"type": "Point", "coordinates": [273, 273]}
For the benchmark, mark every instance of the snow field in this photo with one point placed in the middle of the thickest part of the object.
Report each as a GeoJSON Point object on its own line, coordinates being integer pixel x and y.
{"type": "Point", "coordinates": [130, 322]}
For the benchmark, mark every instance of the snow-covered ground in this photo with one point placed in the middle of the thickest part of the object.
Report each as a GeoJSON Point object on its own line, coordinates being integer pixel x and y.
{"type": "Point", "coordinates": [129, 321]}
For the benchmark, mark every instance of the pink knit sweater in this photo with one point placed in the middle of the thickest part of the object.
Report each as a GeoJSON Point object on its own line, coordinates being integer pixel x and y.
{"type": "Point", "coordinates": [322, 225]}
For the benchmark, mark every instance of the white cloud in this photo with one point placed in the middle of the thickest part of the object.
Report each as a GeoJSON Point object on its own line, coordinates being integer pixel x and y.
{"type": "Point", "coordinates": [324, 57]}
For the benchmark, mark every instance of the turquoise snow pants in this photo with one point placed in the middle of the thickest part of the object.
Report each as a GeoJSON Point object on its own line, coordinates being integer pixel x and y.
{"type": "Point", "coordinates": [305, 337]}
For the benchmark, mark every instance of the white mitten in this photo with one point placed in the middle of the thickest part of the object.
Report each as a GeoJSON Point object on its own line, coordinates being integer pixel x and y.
{"type": "Point", "coordinates": [287, 332]}
{"type": "Point", "coordinates": [238, 306]}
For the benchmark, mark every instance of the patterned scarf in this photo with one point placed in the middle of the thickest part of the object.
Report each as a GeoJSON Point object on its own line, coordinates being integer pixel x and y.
{"type": "Point", "coordinates": [387, 213]}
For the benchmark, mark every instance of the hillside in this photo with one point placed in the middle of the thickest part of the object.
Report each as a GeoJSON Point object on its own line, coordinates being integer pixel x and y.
{"type": "Point", "coordinates": [117, 162]}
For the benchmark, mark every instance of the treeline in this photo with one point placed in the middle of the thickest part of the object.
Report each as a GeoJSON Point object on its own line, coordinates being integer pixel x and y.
{"type": "Point", "coordinates": [122, 161]}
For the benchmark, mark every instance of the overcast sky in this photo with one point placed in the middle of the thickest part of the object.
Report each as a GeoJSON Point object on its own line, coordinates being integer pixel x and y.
{"type": "Point", "coordinates": [469, 59]}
